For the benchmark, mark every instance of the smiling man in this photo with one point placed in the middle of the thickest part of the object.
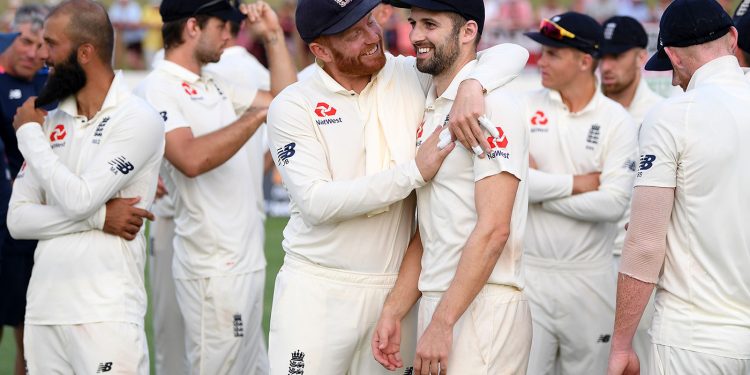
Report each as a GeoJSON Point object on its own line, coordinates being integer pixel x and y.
{"type": "Point", "coordinates": [473, 316]}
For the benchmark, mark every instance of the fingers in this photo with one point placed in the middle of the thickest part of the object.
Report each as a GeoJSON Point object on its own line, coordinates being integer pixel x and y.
{"type": "Point", "coordinates": [445, 138]}
{"type": "Point", "coordinates": [487, 124]}
{"type": "Point", "coordinates": [434, 367]}
{"type": "Point", "coordinates": [139, 212]}
{"type": "Point", "coordinates": [377, 352]}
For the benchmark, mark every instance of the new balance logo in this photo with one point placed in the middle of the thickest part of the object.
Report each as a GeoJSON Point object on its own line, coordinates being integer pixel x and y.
{"type": "Point", "coordinates": [238, 329]}
{"type": "Point", "coordinates": [647, 161]}
{"type": "Point", "coordinates": [104, 367]}
{"type": "Point", "coordinates": [409, 371]}
{"type": "Point", "coordinates": [120, 164]}
{"type": "Point", "coordinates": [297, 363]}
{"type": "Point", "coordinates": [285, 153]}
{"type": "Point", "coordinates": [603, 339]}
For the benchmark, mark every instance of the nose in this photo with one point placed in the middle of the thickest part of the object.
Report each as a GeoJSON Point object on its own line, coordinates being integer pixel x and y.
{"type": "Point", "coordinates": [605, 64]}
{"type": "Point", "coordinates": [42, 53]}
{"type": "Point", "coordinates": [416, 34]}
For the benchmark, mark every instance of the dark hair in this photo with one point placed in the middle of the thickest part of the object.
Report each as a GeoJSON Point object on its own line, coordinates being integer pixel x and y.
{"type": "Point", "coordinates": [746, 55]}
{"type": "Point", "coordinates": [171, 31]}
{"type": "Point", "coordinates": [88, 23]}
{"type": "Point", "coordinates": [458, 21]}
{"type": "Point", "coordinates": [234, 28]}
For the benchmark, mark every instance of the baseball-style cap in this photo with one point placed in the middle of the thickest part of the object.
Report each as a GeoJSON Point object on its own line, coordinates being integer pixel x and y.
{"type": "Point", "coordinates": [687, 23]}
{"type": "Point", "coordinates": [622, 33]}
{"type": "Point", "coordinates": [173, 10]}
{"type": "Point", "coordinates": [742, 23]}
{"type": "Point", "coordinates": [472, 10]}
{"type": "Point", "coordinates": [6, 39]}
{"type": "Point", "coordinates": [327, 17]}
{"type": "Point", "coordinates": [570, 30]}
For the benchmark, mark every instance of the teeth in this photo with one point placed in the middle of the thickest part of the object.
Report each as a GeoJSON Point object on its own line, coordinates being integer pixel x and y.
{"type": "Point", "coordinates": [372, 51]}
{"type": "Point", "coordinates": [423, 50]}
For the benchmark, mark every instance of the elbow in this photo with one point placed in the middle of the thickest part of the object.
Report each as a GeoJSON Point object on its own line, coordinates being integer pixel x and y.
{"type": "Point", "coordinates": [191, 169]}
{"type": "Point", "coordinates": [16, 228]}
{"type": "Point", "coordinates": [496, 236]}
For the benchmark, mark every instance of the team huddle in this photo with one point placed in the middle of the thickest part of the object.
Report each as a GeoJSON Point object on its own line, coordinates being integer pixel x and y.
{"type": "Point", "coordinates": [441, 221]}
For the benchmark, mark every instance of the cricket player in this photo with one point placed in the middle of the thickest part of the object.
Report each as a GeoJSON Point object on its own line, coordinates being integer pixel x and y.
{"type": "Point", "coordinates": [344, 143]}
{"type": "Point", "coordinates": [21, 75]}
{"type": "Point", "coordinates": [583, 148]}
{"type": "Point", "coordinates": [624, 53]}
{"type": "Point", "coordinates": [218, 268]}
{"type": "Point", "coordinates": [86, 300]}
{"type": "Point", "coordinates": [742, 23]}
{"type": "Point", "coordinates": [473, 317]}
{"type": "Point", "coordinates": [688, 227]}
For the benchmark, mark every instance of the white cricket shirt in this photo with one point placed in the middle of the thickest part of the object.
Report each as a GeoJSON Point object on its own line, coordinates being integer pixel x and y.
{"type": "Point", "coordinates": [697, 143]}
{"type": "Point", "coordinates": [599, 138]}
{"type": "Point", "coordinates": [446, 206]}
{"type": "Point", "coordinates": [347, 160]}
{"type": "Point", "coordinates": [216, 217]}
{"type": "Point", "coordinates": [74, 165]}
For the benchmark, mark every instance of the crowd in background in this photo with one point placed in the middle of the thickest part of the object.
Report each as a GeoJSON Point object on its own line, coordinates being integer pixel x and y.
{"type": "Point", "coordinates": [138, 25]}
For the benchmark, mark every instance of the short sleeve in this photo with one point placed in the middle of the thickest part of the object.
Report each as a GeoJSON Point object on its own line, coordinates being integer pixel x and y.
{"type": "Point", "coordinates": [660, 147]}
{"type": "Point", "coordinates": [509, 151]}
{"type": "Point", "coordinates": [167, 105]}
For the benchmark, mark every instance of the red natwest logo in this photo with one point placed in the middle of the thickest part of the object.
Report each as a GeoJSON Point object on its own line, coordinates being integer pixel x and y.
{"type": "Point", "coordinates": [499, 142]}
{"type": "Point", "coordinates": [420, 130]}
{"type": "Point", "coordinates": [324, 110]}
{"type": "Point", "coordinates": [190, 90]}
{"type": "Point", "coordinates": [539, 118]}
{"type": "Point", "coordinates": [58, 134]}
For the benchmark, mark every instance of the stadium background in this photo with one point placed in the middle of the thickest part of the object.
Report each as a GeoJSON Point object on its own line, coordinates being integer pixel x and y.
{"type": "Point", "coordinates": [529, 80]}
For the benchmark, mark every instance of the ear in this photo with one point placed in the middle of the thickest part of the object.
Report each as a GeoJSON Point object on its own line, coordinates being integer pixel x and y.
{"type": "Point", "coordinates": [735, 37]}
{"type": "Point", "coordinates": [642, 57]}
{"type": "Point", "coordinates": [674, 57]}
{"type": "Point", "coordinates": [86, 52]}
{"type": "Point", "coordinates": [192, 29]}
{"type": "Point", "coordinates": [321, 52]}
{"type": "Point", "coordinates": [586, 62]}
{"type": "Point", "coordinates": [469, 32]}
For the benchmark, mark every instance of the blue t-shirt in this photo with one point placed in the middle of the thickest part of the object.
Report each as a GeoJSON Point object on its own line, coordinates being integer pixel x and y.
{"type": "Point", "coordinates": [13, 93]}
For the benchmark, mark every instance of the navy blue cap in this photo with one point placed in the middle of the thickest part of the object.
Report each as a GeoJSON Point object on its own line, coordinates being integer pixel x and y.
{"type": "Point", "coordinates": [6, 39]}
{"type": "Point", "coordinates": [472, 10]}
{"type": "Point", "coordinates": [327, 17]}
{"type": "Point", "coordinates": [742, 23]}
{"type": "Point", "coordinates": [687, 23]}
{"type": "Point", "coordinates": [588, 33]}
{"type": "Point", "coordinates": [173, 10]}
{"type": "Point", "coordinates": [622, 33]}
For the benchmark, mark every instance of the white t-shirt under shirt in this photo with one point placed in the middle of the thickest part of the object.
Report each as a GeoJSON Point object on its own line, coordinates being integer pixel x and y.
{"type": "Point", "coordinates": [446, 206]}
{"type": "Point", "coordinates": [697, 143]}
{"type": "Point", "coordinates": [74, 165]}
{"type": "Point", "coordinates": [216, 220]}
{"type": "Point", "coordinates": [599, 138]}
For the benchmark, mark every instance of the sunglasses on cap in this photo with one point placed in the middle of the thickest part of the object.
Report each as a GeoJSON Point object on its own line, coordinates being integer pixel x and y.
{"type": "Point", "coordinates": [557, 32]}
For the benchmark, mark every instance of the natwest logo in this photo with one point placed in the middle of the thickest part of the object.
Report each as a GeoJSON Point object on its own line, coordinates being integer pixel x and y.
{"type": "Point", "coordinates": [539, 119]}
{"type": "Point", "coordinates": [324, 110]}
{"type": "Point", "coordinates": [58, 133]}
{"type": "Point", "coordinates": [500, 142]}
{"type": "Point", "coordinates": [190, 90]}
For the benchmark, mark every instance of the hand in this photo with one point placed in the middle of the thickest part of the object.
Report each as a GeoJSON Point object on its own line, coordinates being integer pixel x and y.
{"type": "Point", "coordinates": [262, 21]}
{"type": "Point", "coordinates": [585, 183]}
{"type": "Point", "coordinates": [532, 163]}
{"type": "Point", "coordinates": [433, 349]}
{"type": "Point", "coordinates": [123, 218]}
{"type": "Point", "coordinates": [430, 157]}
{"type": "Point", "coordinates": [161, 189]}
{"type": "Point", "coordinates": [27, 113]}
{"type": "Point", "coordinates": [623, 363]}
{"type": "Point", "coordinates": [463, 119]}
{"type": "Point", "coordinates": [386, 342]}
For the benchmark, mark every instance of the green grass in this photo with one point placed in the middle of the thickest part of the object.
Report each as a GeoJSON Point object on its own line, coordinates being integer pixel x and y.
{"type": "Point", "coordinates": [274, 256]}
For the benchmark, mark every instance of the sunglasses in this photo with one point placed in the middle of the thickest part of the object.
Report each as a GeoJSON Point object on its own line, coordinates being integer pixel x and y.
{"type": "Point", "coordinates": [557, 32]}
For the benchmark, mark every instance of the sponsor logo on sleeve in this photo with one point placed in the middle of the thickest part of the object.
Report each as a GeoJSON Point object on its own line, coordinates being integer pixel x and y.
{"type": "Point", "coordinates": [498, 145]}
{"type": "Point", "coordinates": [325, 113]}
{"type": "Point", "coordinates": [539, 122]}
{"type": "Point", "coordinates": [285, 153]}
{"type": "Point", "coordinates": [104, 367]}
{"type": "Point", "coordinates": [121, 165]}
{"type": "Point", "coordinates": [647, 161]}
{"type": "Point", "coordinates": [58, 135]}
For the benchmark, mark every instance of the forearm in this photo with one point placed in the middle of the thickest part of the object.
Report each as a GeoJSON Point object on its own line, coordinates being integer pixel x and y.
{"type": "Point", "coordinates": [545, 186]}
{"type": "Point", "coordinates": [499, 65]}
{"type": "Point", "coordinates": [478, 259]}
{"type": "Point", "coordinates": [632, 298]}
{"type": "Point", "coordinates": [41, 222]}
{"type": "Point", "coordinates": [405, 292]}
{"type": "Point", "coordinates": [600, 205]}
{"type": "Point", "coordinates": [281, 66]}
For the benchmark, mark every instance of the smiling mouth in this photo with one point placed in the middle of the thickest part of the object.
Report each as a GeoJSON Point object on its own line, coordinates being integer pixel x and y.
{"type": "Point", "coordinates": [423, 50]}
{"type": "Point", "coordinates": [372, 51]}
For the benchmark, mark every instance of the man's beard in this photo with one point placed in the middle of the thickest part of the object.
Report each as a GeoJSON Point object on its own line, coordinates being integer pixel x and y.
{"type": "Point", "coordinates": [66, 79]}
{"type": "Point", "coordinates": [353, 66]}
{"type": "Point", "coordinates": [442, 59]}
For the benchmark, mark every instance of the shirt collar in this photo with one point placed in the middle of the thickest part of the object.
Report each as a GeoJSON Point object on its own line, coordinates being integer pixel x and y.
{"type": "Point", "coordinates": [452, 90]}
{"type": "Point", "coordinates": [333, 86]}
{"type": "Point", "coordinates": [178, 71]}
{"type": "Point", "coordinates": [556, 98]}
{"type": "Point", "coordinates": [118, 90]}
{"type": "Point", "coordinates": [715, 68]}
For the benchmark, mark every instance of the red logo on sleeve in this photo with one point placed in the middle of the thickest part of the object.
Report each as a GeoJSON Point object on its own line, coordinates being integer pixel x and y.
{"type": "Point", "coordinates": [539, 118]}
{"type": "Point", "coordinates": [58, 134]}
{"type": "Point", "coordinates": [499, 142]}
{"type": "Point", "coordinates": [324, 110]}
{"type": "Point", "coordinates": [190, 90]}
